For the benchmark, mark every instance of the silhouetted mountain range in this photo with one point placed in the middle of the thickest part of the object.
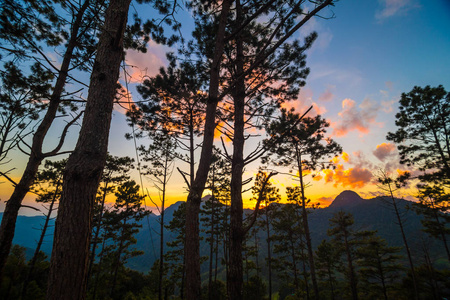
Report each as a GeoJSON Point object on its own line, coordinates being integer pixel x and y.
{"type": "Point", "coordinates": [371, 214]}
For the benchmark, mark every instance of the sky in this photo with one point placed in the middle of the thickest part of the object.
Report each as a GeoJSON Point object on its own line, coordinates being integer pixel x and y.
{"type": "Point", "coordinates": [365, 57]}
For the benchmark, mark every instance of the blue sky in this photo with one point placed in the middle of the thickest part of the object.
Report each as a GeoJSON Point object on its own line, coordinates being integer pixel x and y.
{"type": "Point", "coordinates": [364, 58]}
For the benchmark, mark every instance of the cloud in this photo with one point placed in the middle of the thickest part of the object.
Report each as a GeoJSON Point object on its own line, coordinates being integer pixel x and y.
{"type": "Point", "coordinates": [384, 151]}
{"type": "Point", "coordinates": [354, 117]}
{"type": "Point", "coordinates": [146, 64]}
{"type": "Point", "coordinates": [124, 100]}
{"type": "Point", "coordinates": [345, 156]}
{"type": "Point", "coordinates": [392, 8]}
{"type": "Point", "coordinates": [326, 96]}
{"type": "Point", "coordinates": [324, 37]}
{"type": "Point", "coordinates": [356, 177]}
{"type": "Point", "coordinates": [304, 102]}
{"type": "Point", "coordinates": [324, 201]}
{"type": "Point", "coordinates": [388, 105]}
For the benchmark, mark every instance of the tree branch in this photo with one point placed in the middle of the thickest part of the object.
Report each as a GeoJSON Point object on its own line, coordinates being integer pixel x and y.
{"type": "Point", "coordinates": [258, 202]}
{"type": "Point", "coordinates": [63, 137]}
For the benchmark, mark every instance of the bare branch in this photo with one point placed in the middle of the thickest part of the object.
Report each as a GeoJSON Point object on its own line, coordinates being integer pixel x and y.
{"type": "Point", "coordinates": [184, 177]}
{"type": "Point", "coordinates": [63, 137]}
{"type": "Point", "coordinates": [258, 202]}
{"type": "Point", "coordinates": [8, 178]}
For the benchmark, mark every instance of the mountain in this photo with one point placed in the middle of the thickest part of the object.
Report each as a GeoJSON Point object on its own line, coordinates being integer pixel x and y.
{"type": "Point", "coordinates": [369, 214]}
{"type": "Point", "coordinates": [346, 199]}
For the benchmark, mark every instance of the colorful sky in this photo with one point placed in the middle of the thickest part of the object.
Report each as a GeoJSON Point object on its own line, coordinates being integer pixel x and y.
{"type": "Point", "coordinates": [364, 58]}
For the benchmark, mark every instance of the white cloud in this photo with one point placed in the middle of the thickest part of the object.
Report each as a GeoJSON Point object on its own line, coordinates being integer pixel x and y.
{"type": "Point", "coordinates": [393, 7]}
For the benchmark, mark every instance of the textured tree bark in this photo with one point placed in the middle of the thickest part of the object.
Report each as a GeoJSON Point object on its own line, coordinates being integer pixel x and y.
{"type": "Point", "coordinates": [67, 279]}
{"type": "Point", "coordinates": [192, 245]}
{"type": "Point", "coordinates": [235, 276]}
{"type": "Point", "coordinates": [14, 203]}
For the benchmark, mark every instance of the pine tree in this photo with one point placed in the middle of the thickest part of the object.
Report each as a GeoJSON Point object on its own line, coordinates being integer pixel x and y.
{"type": "Point", "coordinates": [389, 185]}
{"type": "Point", "coordinates": [302, 145]}
{"type": "Point", "coordinates": [433, 205]}
{"type": "Point", "coordinates": [264, 51]}
{"type": "Point", "coordinates": [116, 171]}
{"type": "Point", "coordinates": [17, 32]}
{"type": "Point", "coordinates": [328, 263]}
{"type": "Point", "coordinates": [288, 240]}
{"type": "Point", "coordinates": [21, 101]}
{"type": "Point", "coordinates": [160, 155]}
{"type": "Point", "coordinates": [122, 222]}
{"type": "Point", "coordinates": [85, 164]}
{"type": "Point", "coordinates": [175, 256]}
{"type": "Point", "coordinates": [175, 103]}
{"type": "Point", "coordinates": [343, 235]}
{"type": "Point", "coordinates": [48, 186]}
{"type": "Point", "coordinates": [266, 193]}
{"type": "Point", "coordinates": [423, 133]}
{"type": "Point", "coordinates": [379, 266]}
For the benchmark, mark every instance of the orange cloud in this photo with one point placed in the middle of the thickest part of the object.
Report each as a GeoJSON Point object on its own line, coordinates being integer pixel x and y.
{"type": "Point", "coordinates": [345, 156]}
{"type": "Point", "coordinates": [354, 117]}
{"type": "Point", "coordinates": [402, 172]}
{"type": "Point", "coordinates": [324, 201]}
{"type": "Point", "coordinates": [356, 177]}
{"type": "Point", "coordinates": [384, 151]}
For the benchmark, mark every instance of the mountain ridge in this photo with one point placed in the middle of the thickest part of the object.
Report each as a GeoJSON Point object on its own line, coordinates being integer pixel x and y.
{"type": "Point", "coordinates": [369, 214]}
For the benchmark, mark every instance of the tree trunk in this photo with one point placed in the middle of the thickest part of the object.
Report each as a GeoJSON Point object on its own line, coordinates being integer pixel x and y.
{"type": "Point", "coordinates": [408, 252]}
{"type": "Point", "coordinates": [96, 235]}
{"type": "Point", "coordinates": [14, 203]}
{"type": "Point", "coordinates": [306, 227]}
{"type": "Point", "coordinates": [269, 252]}
{"type": "Point", "coordinates": [41, 240]}
{"type": "Point", "coordinates": [235, 278]}
{"type": "Point", "coordinates": [441, 230]}
{"type": "Point", "coordinates": [67, 278]}
{"type": "Point", "coordinates": [351, 269]}
{"type": "Point", "coordinates": [161, 241]}
{"type": "Point", "coordinates": [192, 251]}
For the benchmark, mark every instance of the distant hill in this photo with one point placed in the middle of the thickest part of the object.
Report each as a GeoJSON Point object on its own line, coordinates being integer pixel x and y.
{"type": "Point", "coordinates": [369, 214]}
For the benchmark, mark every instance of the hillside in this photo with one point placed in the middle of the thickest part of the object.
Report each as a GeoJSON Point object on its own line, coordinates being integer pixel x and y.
{"type": "Point", "coordinates": [369, 214]}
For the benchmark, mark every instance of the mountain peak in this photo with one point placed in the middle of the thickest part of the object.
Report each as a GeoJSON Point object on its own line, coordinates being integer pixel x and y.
{"type": "Point", "coordinates": [346, 198]}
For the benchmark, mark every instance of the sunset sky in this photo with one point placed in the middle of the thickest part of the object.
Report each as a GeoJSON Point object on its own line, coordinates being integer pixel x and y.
{"type": "Point", "coordinates": [364, 58]}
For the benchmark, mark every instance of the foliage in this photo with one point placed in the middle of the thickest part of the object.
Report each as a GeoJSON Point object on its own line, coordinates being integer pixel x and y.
{"type": "Point", "coordinates": [22, 98]}
{"type": "Point", "coordinates": [297, 138]}
{"type": "Point", "coordinates": [288, 241]}
{"type": "Point", "coordinates": [379, 266]}
{"type": "Point", "coordinates": [327, 264]}
{"type": "Point", "coordinates": [254, 289]}
{"type": "Point", "coordinates": [423, 134]}
{"type": "Point", "coordinates": [434, 206]}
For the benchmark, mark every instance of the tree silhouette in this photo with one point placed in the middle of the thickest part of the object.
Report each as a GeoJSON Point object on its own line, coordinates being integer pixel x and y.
{"type": "Point", "coordinates": [304, 148]}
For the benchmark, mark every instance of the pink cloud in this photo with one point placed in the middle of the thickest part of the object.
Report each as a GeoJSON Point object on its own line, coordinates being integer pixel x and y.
{"type": "Point", "coordinates": [384, 150]}
{"type": "Point", "coordinates": [326, 96]}
{"type": "Point", "coordinates": [124, 99]}
{"type": "Point", "coordinates": [304, 102]}
{"type": "Point", "coordinates": [146, 64]}
{"type": "Point", "coordinates": [353, 117]}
